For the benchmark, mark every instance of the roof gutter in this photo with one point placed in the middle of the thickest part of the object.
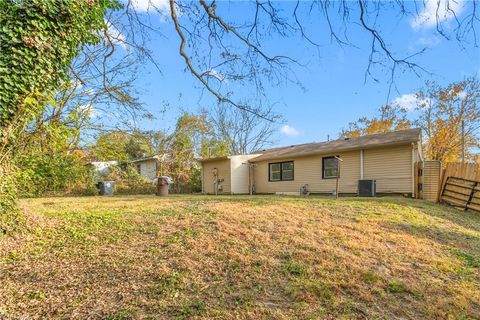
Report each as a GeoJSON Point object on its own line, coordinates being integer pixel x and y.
{"type": "Point", "coordinates": [214, 159]}
{"type": "Point", "coordinates": [332, 151]}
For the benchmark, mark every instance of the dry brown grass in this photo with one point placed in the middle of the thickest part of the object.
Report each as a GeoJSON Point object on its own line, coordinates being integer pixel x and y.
{"type": "Point", "coordinates": [144, 257]}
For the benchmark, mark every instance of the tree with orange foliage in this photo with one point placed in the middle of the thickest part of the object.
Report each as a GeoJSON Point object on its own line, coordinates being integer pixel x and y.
{"type": "Point", "coordinates": [442, 111]}
{"type": "Point", "coordinates": [390, 118]}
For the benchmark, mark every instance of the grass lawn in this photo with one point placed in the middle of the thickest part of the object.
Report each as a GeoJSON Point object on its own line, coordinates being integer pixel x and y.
{"type": "Point", "coordinates": [263, 257]}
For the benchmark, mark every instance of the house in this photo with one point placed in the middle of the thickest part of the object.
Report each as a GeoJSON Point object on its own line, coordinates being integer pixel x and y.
{"type": "Point", "coordinates": [150, 167]}
{"type": "Point", "coordinates": [231, 174]}
{"type": "Point", "coordinates": [388, 158]}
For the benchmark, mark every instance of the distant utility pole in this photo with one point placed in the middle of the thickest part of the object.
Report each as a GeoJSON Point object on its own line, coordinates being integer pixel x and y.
{"type": "Point", "coordinates": [463, 141]}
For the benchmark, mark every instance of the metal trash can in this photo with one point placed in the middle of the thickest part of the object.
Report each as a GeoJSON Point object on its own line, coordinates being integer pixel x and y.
{"type": "Point", "coordinates": [106, 188]}
{"type": "Point", "coordinates": [162, 186]}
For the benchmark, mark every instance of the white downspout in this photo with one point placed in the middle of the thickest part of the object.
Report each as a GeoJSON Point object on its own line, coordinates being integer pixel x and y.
{"type": "Point", "coordinates": [361, 164]}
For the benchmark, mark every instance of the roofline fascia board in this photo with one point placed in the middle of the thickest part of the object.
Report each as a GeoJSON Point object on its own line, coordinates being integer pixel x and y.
{"type": "Point", "coordinates": [332, 151]}
{"type": "Point", "coordinates": [215, 159]}
{"type": "Point", "coordinates": [251, 156]}
{"type": "Point", "coordinates": [146, 159]}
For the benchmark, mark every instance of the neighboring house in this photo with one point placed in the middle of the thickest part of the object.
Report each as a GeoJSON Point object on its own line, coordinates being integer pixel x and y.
{"type": "Point", "coordinates": [388, 158]}
{"type": "Point", "coordinates": [150, 167]}
{"type": "Point", "coordinates": [102, 168]}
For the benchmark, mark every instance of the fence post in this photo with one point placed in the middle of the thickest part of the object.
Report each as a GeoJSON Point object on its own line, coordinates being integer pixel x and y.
{"type": "Point", "coordinates": [441, 186]}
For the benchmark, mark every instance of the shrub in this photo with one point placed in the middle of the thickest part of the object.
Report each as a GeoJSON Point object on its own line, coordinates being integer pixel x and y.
{"type": "Point", "coordinates": [9, 213]}
{"type": "Point", "coordinates": [53, 174]}
{"type": "Point", "coordinates": [128, 181]}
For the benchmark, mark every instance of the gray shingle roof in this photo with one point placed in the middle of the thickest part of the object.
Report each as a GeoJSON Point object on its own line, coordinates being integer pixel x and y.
{"type": "Point", "coordinates": [364, 142]}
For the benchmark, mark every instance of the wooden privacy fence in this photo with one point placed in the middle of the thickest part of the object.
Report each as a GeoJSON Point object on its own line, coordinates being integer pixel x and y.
{"type": "Point", "coordinates": [427, 179]}
{"type": "Point", "coordinates": [462, 193]}
{"type": "Point", "coordinates": [461, 186]}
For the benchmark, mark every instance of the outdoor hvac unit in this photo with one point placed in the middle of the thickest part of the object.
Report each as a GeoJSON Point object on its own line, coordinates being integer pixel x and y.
{"type": "Point", "coordinates": [367, 188]}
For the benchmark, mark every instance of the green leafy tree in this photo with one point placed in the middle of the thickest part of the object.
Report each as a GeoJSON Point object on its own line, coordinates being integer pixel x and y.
{"type": "Point", "coordinates": [141, 144]}
{"type": "Point", "coordinates": [125, 146]}
{"type": "Point", "coordinates": [111, 146]}
{"type": "Point", "coordinates": [183, 147]}
{"type": "Point", "coordinates": [45, 161]}
{"type": "Point", "coordinates": [39, 39]}
{"type": "Point", "coordinates": [214, 146]}
{"type": "Point", "coordinates": [193, 138]}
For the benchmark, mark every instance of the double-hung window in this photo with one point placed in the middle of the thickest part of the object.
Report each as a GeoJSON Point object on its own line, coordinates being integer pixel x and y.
{"type": "Point", "coordinates": [329, 167]}
{"type": "Point", "coordinates": [280, 171]}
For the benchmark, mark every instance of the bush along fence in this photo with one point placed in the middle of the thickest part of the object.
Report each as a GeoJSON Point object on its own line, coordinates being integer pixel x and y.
{"type": "Point", "coordinates": [460, 186]}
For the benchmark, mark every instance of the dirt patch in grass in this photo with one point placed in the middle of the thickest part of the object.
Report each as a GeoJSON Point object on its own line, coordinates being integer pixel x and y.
{"type": "Point", "coordinates": [241, 257]}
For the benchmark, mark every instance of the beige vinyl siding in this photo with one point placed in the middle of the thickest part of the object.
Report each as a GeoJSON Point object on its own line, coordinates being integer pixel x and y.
{"type": "Point", "coordinates": [391, 167]}
{"type": "Point", "coordinates": [223, 169]}
{"type": "Point", "coordinates": [239, 173]}
{"type": "Point", "coordinates": [431, 180]}
{"type": "Point", "coordinates": [308, 170]}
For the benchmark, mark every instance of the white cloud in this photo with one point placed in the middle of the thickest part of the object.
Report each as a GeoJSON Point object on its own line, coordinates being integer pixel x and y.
{"type": "Point", "coordinates": [289, 131]}
{"type": "Point", "coordinates": [162, 6]}
{"type": "Point", "coordinates": [89, 92]}
{"type": "Point", "coordinates": [462, 94]}
{"type": "Point", "coordinates": [434, 11]}
{"type": "Point", "coordinates": [429, 41]}
{"type": "Point", "coordinates": [89, 110]}
{"type": "Point", "coordinates": [117, 37]}
{"type": "Point", "coordinates": [75, 83]}
{"type": "Point", "coordinates": [216, 74]}
{"type": "Point", "coordinates": [408, 101]}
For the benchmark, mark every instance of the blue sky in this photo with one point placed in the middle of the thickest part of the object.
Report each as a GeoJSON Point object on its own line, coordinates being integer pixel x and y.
{"type": "Point", "coordinates": [334, 90]}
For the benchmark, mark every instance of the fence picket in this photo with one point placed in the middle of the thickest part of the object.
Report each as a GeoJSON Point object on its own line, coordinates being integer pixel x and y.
{"type": "Point", "coordinates": [460, 186]}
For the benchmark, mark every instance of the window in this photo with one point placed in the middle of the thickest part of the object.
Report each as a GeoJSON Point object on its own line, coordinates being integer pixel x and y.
{"type": "Point", "coordinates": [275, 172]}
{"type": "Point", "coordinates": [330, 168]}
{"type": "Point", "coordinates": [287, 170]}
{"type": "Point", "coordinates": [139, 169]}
{"type": "Point", "coordinates": [280, 171]}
